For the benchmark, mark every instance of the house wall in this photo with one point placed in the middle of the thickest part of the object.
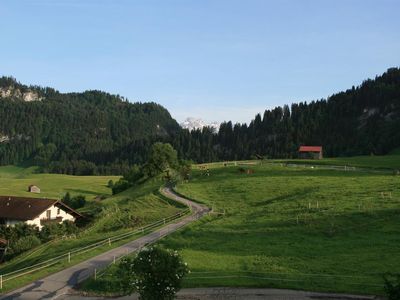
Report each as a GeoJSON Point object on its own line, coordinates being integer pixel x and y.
{"type": "Point", "coordinates": [54, 209]}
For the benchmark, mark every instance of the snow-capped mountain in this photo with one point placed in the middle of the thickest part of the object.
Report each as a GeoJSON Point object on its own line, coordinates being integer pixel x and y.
{"type": "Point", "coordinates": [193, 123]}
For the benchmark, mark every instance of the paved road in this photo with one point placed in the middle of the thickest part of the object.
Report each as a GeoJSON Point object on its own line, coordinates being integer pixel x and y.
{"type": "Point", "coordinates": [58, 285]}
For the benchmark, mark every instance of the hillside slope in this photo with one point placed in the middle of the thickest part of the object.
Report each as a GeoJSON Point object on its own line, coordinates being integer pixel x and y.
{"type": "Point", "coordinates": [70, 133]}
{"type": "Point", "coordinates": [361, 120]}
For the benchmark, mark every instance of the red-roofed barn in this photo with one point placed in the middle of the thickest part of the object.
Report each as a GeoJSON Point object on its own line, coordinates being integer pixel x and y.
{"type": "Point", "coordinates": [310, 152]}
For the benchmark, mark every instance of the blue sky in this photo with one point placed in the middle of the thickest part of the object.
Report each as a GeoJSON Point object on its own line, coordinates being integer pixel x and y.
{"type": "Point", "coordinates": [218, 60]}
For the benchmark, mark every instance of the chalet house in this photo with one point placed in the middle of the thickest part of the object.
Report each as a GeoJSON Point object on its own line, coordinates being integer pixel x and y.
{"type": "Point", "coordinates": [310, 152]}
{"type": "Point", "coordinates": [34, 211]}
{"type": "Point", "coordinates": [33, 189]}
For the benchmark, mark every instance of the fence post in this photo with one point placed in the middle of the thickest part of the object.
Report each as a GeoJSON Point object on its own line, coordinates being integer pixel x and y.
{"type": "Point", "coordinates": [95, 274]}
{"type": "Point", "coordinates": [109, 241]}
{"type": "Point", "coordinates": [1, 282]}
{"type": "Point", "coordinates": [69, 257]}
{"type": "Point", "coordinates": [114, 260]}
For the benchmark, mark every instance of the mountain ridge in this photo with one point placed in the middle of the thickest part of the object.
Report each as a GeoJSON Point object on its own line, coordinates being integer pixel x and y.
{"type": "Point", "coordinates": [95, 132]}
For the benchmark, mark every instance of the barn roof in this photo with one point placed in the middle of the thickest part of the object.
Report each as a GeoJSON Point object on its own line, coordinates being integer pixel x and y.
{"type": "Point", "coordinates": [310, 149]}
{"type": "Point", "coordinates": [22, 208]}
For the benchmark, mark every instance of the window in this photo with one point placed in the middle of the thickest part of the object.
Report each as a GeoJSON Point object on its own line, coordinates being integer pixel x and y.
{"type": "Point", "coordinates": [48, 214]}
{"type": "Point", "coordinates": [58, 211]}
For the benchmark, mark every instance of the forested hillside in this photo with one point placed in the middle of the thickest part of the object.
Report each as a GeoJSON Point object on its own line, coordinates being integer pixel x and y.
{"type": "Point", "coordinates": [98, 133]}
{"type": "Point", "coordinates": [77, 133]}
{"type": "Point", "coordinates": [361, 120]}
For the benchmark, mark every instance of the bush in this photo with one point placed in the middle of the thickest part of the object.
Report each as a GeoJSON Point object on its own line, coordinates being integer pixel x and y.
{"type": "Point", "coordinates": [13, 233]}
{"type": "Point", "coordinates": [392, 286]}
{"type": "Point", "coordinates": [120, 186]}
{"type": "Point", "coordinates": [24, 243]}
{"type": "Point", "coordinates": [155, 273]}
{"type": "Point", "coordinates": [54, 230]}
{"type": "Point", "coordinates": [74, 202]}
{"type": "Point", "coordinates": [69, 227]}
{"type": "Point", "coordinates": [51, 231]}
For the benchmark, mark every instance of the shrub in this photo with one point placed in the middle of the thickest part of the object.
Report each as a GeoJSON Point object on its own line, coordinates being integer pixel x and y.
{"type": "Point", "coordinates": [120, 186]}
{"type": "Point", "coordinates": [155, 273]}
{"type": "Point", "coordinates": [69, 227]}
{"type": "Point", "coordinates": [24, 243]}
{"type": "Point", "coordinates": [392, 286]}
{"type": "Point", "coordinates": [13, 233]}
{"type": "Point", "coordinates": [50, 231]}
{"type": "Point", "coordinates": [74, 202]}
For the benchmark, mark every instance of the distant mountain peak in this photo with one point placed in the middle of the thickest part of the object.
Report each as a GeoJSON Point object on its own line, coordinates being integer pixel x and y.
{"type": "Point", "coordinates": [197, 123]}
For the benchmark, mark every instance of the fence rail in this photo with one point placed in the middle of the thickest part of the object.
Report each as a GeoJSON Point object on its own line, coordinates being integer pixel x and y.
{"type": "Point", "coordinates": [67, 256]}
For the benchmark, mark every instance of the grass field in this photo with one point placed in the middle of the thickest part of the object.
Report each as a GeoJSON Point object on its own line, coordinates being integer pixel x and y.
{"type": "Point", "coordinates": [121, 213]}
{"type": "Point", "coordinates": [295, 228]}
{"type": "Point", "coordinates": [14, 181]}
{"type": "Point", "coordinates": [282, 227]}
{"type": "Point", "coordinates": [389, 162]}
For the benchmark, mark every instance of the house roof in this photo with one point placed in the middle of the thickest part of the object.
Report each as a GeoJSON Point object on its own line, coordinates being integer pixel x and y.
{"type": "Point", "coordinates": [3, 241]}
{"type": "Point", "coordinates": [22, 208]}
{"type": "Point", "coordinates": [310, 149]}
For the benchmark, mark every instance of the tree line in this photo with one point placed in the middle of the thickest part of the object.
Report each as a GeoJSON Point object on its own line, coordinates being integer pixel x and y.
{"type": "Point", "coordinates": [363, 120]}
{"type": "Point", "coordinates": [97, 133]}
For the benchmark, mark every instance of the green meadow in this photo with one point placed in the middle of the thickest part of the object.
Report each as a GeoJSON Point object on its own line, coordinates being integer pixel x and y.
{"type": "Point", "coordinates": [122, 213]}
{"type": "Point", "coordinates": [298, 228]}
{"type": "Point", "coordinates": [384, 162]}
{"type": "Point", "coordinates": [14, 181]}
{"type": "Point", "coordinates": [287, 227]}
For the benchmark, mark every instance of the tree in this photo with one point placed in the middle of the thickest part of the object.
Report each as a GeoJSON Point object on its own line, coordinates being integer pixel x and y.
{"type": "Point", "coordinates": [74, 202]}
{"type": "Point", "coordinates": [155, 273]}
{"type": "Point", "coordinates": [133, 175]}
{"type": "Point", "coordinates": [162, 158]}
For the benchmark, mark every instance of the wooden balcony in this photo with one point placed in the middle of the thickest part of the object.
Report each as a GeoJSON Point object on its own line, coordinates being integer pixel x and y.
{"type": "Point", "coordinates": [50, 221]}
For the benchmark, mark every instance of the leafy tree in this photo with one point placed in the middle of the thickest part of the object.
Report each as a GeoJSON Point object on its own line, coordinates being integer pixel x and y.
{"type": "Point", "coordinates": [133, 175]}
{"type": "Point", "coordinates": [162, 158]}
{"type": "Point", "coordinates": [185, 169]}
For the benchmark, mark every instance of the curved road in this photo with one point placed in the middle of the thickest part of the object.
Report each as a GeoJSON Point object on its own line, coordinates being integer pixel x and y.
{"type": "Point", "coordinates": [58, 285]}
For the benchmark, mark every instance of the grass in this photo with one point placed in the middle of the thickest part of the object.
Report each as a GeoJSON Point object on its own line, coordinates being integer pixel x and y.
{"type": "Point", "coordinates": [121, 213]}
{"type": "Point", "coordinates": [297, 228]}
{"type": "Point", "coordinates": [389, 162]}
{"type": "Point", "coordinates": [14, 181]}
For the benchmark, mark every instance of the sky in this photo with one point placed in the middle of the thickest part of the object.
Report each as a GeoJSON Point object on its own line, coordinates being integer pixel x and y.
{"type": "Point", "coordinates": [211, 59]}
